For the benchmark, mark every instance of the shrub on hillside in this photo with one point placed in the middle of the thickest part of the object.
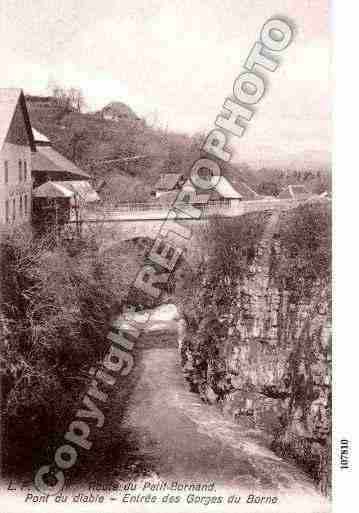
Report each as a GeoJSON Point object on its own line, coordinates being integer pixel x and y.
{"type": "Point", "coordinates": [229, 246]}
{"type": "Point", "coordinates": [55, 312]}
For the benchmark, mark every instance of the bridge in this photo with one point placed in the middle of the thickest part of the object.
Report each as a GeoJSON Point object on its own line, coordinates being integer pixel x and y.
{"type": "Point", "coordinates": [144, 220]}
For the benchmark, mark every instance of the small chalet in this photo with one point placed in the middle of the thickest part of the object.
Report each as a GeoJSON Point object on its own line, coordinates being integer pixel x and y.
{"type": "Point", "coordinates": [168, 183]}
{"type": "Point", "coordinates": [224, 194]}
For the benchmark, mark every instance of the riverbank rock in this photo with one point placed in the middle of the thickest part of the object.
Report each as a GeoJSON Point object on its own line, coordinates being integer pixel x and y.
{"type": "Point", "coordinates": [272, 368]}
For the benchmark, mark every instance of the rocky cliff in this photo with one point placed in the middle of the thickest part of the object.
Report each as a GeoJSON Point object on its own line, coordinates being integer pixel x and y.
{"type": "Point", "coordinates": [262, 352]}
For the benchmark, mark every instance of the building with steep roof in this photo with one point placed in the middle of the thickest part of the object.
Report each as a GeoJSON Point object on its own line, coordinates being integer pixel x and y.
{"type": "Point", "coordinates": [49, 164]}
{"type": "Point", "coordinates": [60, 187]}
{"type": "Point", "coordinates": [224, 192]}
{"type": "Point", "coordinates": [16, 148]}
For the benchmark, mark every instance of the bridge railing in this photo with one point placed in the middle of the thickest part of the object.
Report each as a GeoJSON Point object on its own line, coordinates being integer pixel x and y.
{"type": "Point", "coordinates": [143, 211]}
{"type": "Point", "coordinates": [160, 207]}
{"type": "Point", "coordinates": [133, 209]}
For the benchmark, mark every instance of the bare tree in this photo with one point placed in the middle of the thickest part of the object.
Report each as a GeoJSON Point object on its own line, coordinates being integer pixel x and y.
{"type": "Point", "coordinates": [77, 145]}
{"type": "Point", "coordinates": [70, 99]}
{"type": "Point", "coordinates": [76, 99]}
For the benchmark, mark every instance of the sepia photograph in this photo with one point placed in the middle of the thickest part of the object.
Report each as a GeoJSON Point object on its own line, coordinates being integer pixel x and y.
{"type": "Point", "coordinates": [166, 257]}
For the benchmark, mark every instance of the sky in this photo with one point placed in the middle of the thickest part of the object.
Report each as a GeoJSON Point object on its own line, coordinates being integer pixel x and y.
{"type": "Point", "coordinates": [174, 63]}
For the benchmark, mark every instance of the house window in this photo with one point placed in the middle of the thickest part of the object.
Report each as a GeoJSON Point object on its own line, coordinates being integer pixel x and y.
{"type": "Point", "coordinates": [20, 206]}
{"type": "Point", "coordinates": [6, 172]}
{"type": "Point", "coordinates": [25, 170]}
{"type": "Point", "coordinates": [25, 204]}
{"type": "Point", "coordinates": [20, 171]}
{"type": "Point", "coordinates": [7, 211]}
{"type": "Point", "coordinates": [14, 209]}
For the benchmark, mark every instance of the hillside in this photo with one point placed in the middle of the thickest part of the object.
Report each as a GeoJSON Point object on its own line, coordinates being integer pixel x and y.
{"type": "Point", "coordinates": [92, 138]}
{"type": "Point", "coordinates": [89, 139]}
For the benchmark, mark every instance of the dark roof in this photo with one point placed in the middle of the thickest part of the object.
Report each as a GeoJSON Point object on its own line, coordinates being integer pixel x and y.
{"type": "Point", "coordinates": [49, 160]}
{"type": "Point", "coordinates": [9, 99]}
{"type": "Point", "coordinates": [168, 181]}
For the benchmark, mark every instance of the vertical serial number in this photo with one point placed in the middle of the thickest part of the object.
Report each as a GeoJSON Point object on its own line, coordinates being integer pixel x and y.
{"type": "Point", "coordinates": [344, 453]}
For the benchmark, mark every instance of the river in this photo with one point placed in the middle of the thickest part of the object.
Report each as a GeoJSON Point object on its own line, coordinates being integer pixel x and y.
{"type": "Point", "coordinates": [185, 439]}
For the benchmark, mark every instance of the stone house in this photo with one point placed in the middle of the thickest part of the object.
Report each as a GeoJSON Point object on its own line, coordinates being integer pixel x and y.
{"type": "Point", "coordinates": [17, 146]}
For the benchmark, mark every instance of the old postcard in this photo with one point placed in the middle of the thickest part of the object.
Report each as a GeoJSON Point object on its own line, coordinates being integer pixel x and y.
{"type": "Point", "coordinates": [165, 256]}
